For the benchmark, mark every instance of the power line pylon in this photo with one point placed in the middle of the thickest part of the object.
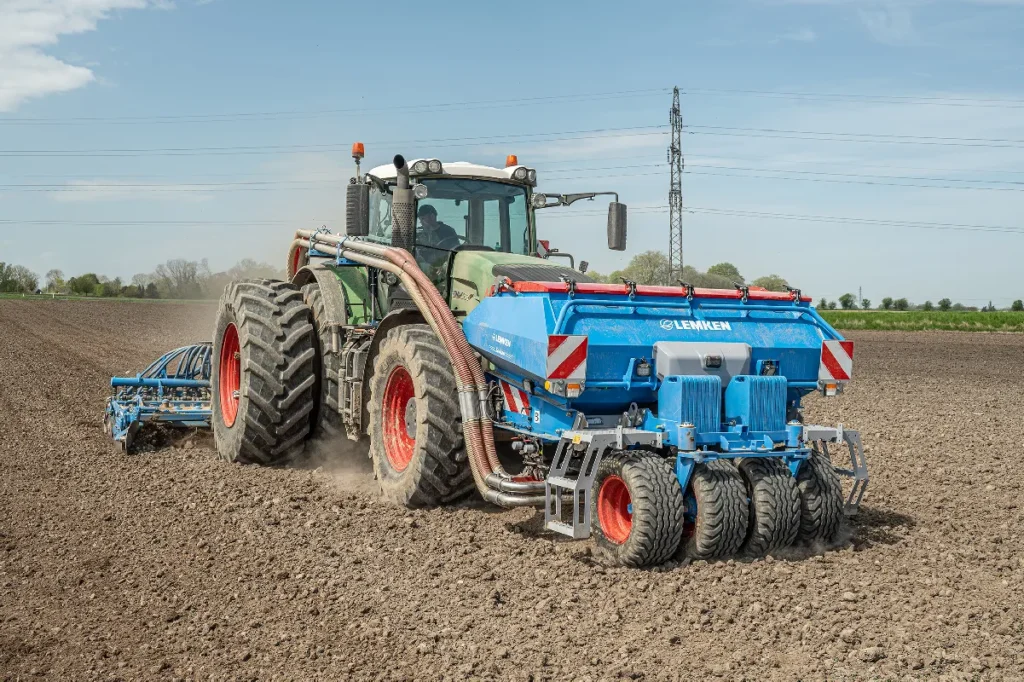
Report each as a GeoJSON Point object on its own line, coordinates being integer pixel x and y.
{"type": "Point", "coordinates": [675, 190]}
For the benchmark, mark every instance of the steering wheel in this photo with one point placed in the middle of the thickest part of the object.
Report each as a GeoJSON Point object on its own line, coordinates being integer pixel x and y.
{"type": "Point", "coordinates": [451, 243]}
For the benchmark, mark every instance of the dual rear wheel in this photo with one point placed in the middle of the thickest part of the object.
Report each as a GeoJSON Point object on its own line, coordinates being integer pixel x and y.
{"type": "Point", "coordinates": [753, 507]}
{"type": "Point", "coordinates": [263, 369]}
{"type": "Point", "coordinates": [276, 382]}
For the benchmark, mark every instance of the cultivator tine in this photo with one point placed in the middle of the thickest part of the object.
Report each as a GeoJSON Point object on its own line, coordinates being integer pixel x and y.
{"type": "Point", "coordinates": [860, 471]}
{"type": "Point", "coordinates": [174, 390]}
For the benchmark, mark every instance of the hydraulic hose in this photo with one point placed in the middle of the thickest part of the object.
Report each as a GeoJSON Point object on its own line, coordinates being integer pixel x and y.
{"type": "Point", "coordinates": [492, 481]}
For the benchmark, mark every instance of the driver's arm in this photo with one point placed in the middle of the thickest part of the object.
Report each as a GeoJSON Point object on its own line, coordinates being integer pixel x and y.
{"type": "Point", "coordinates": [446, 233]}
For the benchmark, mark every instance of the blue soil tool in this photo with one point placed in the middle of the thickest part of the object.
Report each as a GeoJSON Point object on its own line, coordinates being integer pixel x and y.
{"type": "Point", "coordinates": [174, 390]}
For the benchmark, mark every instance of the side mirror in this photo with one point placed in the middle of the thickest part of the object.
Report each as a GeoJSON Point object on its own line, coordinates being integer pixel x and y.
{"type": "Point", "coordinates": [584, 266]}
{"type": "Point", "coordinates": [616, 226]}
{"type": "Point", "coordinates": [357, 210]}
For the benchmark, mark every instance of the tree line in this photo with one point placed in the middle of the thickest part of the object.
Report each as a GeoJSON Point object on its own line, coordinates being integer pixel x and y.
{"type": "Point", "coordinates": [178, 278]}
{"type": "Point", "coordinates": [850, 302]}
{"type": "Point", "coordinates": [652, 267]}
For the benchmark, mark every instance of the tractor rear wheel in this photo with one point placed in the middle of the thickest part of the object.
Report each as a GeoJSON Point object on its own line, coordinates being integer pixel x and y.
{"type": "Point", "coordinates": [774, 505]}
{"type": "Point", "coordinates": [263, 372]}
{"type": "Point", "coordinates": [636, 513]}
{"type": "Point", "coordinates": [821, 500]}
{"type": "Point", "coordinates": [717, 512]}
{"type": "Point", "coordinates": [326, 415]}
{"type": "Point", "coordinates": [415, 423]}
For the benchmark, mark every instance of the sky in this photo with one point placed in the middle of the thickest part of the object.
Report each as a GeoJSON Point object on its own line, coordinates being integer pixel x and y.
{"type": "Point", "coordinates": [842, 144]}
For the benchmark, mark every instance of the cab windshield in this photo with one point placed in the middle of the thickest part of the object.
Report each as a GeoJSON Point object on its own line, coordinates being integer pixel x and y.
{"type": "Point", "coordinates": [473, 214]}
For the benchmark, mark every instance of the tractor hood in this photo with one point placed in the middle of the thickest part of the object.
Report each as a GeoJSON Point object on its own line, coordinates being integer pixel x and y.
{"type": "Point", "coordinates": [474, 273]}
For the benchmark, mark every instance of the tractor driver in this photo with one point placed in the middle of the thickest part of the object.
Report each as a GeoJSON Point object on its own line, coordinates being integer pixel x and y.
{"type": "Point", "coordinates": [433, 232]}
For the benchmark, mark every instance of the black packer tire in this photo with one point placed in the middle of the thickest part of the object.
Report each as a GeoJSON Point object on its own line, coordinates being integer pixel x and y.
{"type": "Point", "coordinates": [264, 357]}
{"type": "Point", "coordinates": [719, 526]}
{"type": "Point", "coordinates": [419, 459]}
{"type": "Point", "coordinates": [821, 501]}
{"type": "Point", "coordinates": [650, 533]}
{"type": "Point", "coordinates": [774, 505]}
{"type": "Point", "coordinates": [326, 414]}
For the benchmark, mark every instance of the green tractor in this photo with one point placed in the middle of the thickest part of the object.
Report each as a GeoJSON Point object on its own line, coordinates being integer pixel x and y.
{"type": "Point", "coordinates": [356, 346]}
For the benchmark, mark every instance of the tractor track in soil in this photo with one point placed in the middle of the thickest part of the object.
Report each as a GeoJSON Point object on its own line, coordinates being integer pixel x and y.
{"type": "Point", "coordinates": [171, 564]}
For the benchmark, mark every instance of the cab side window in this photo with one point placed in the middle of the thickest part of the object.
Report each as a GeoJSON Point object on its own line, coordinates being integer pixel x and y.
{"type": "Point", "coordinates": [380, 216]}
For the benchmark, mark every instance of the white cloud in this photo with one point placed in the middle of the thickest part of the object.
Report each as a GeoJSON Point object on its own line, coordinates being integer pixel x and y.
{"type": "Point", "coordinates": [78, 191]}
{"type": "Point", "coordinates": [29, 26]}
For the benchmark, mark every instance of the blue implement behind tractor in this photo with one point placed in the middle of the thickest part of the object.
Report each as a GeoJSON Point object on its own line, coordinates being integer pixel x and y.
{"type": "Point", "coordinates": [174, 391]}
{"type": "Point", "coordinates": [697, 376]}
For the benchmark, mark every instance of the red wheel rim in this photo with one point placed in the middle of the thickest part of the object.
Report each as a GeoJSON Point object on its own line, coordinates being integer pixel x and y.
{"type": "Point", "coordinates": [399, 400]}
{"type": "Point", "coordinates": [229, 376]}
{"type": "Point", "coordinates": [614, 509]}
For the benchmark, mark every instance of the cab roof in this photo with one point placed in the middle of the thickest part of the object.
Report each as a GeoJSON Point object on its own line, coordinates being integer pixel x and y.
{"type": "Point", "coordinates": [462, 169]}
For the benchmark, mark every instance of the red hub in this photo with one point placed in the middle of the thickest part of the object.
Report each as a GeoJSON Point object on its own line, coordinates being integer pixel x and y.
{"type": "Point", "coordinates": [614, 509]}
{"type": "Point", "coordinates": [229, 377]}
{"type": "Point", "coordinates": [399, 418]}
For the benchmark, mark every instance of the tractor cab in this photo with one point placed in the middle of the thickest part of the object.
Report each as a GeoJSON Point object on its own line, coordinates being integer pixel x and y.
{"type": "Point", "coordinates": [460, 207]}
{"type": "Point", "coordinates": [472, 224]}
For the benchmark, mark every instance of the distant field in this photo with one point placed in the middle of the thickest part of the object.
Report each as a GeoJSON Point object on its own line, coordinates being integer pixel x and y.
{"type": "Point", "coordinates": [916, 320]}
{"type": "Point", "coordinates": [118, 299]}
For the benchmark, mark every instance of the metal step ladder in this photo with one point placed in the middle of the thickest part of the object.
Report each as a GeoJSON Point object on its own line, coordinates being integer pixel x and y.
{"type": "Point", "coordinates": [574, 468]}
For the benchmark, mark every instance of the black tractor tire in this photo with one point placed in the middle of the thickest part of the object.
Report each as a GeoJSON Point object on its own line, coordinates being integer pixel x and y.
{"type": "Point", "coordinates": [718, 525]}
{"type": "Point", "coordinates": [326, 416]}
{"type": "Point", "coordinates": [264, 359]}
{"type": "Point", "coordinates": [821, 501]}
{"type": "Point", "coordinates": [416, 443]}
{"type": "Point", "coordinates": [774, 505]}
{"type": "Point", "coordinates": [636, 509]}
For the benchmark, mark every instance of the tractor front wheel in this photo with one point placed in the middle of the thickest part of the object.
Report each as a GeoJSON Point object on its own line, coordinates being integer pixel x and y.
{"type": "Point", "coordinates": [263, 372]}
{"type": "Point", "coordinates": [415, 424]}
{"type": "Point", "coordinates": [636, 514]}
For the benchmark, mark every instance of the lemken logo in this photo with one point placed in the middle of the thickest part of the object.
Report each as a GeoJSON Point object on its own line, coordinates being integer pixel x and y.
{"type": "Point", "coordinates": [695, 325]}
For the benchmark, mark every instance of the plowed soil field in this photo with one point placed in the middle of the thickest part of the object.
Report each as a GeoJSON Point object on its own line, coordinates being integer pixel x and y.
{"type": "Point", "coordinates": [169, 564]}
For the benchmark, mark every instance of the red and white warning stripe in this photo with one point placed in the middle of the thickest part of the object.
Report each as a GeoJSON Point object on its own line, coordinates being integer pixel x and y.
{"type": "Point", "coordinates": [836, 361]}
{"type": "Point", "coordinates": [516, 399]}
{"type": "Point", "coordinates": [567, 357]}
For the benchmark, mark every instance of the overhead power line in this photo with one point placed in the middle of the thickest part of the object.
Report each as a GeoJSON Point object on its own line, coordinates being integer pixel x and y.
{"type": "Point", "coordinates": [824, 219]}
{"type": "Point", "coordinates": [550, 170]}
{"type": "Point", "coordinates": [876, 183]}
{"type": "Point", "coordinates": [563, 175]}
{"type": "Point", "coordinates": [863, 138]}
{"type": "Point", "coordinates": [553, 213]}
{"type": "Point", "coordinates": [489, 140]}
{"type": "Point", "coordinates": [1008, 103]}
{"type": "Point", "coordinates": [315, 113]}
{"type": "Point", "coordinates": [858, 221]}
